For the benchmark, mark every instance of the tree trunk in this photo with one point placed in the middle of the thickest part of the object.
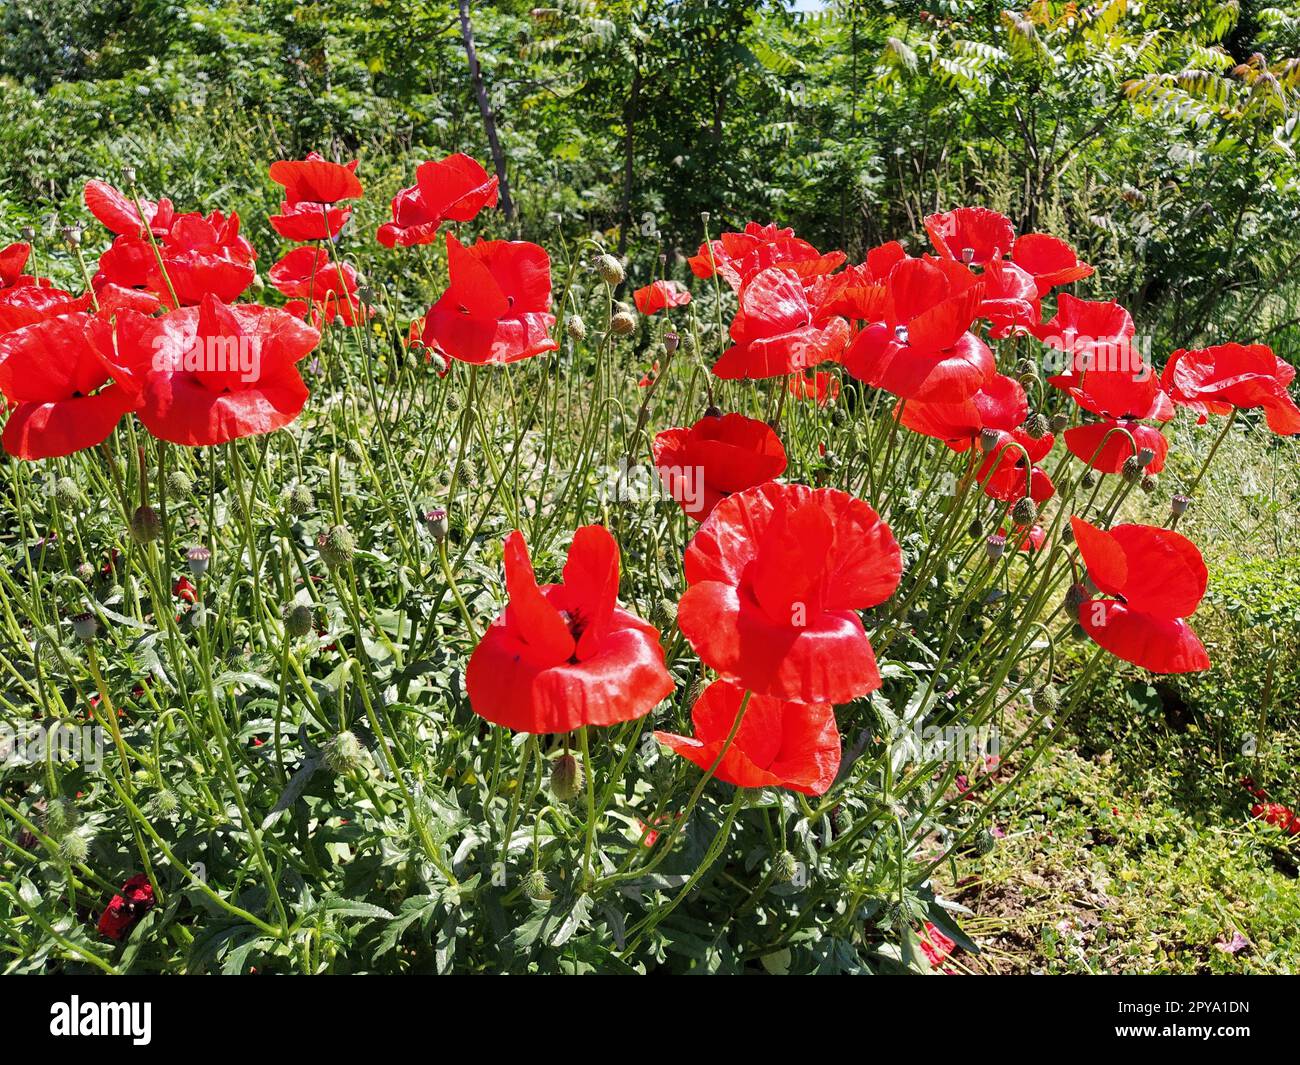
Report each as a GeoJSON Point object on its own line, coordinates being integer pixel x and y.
{"type": "Point", "coordinates": [485, 108]}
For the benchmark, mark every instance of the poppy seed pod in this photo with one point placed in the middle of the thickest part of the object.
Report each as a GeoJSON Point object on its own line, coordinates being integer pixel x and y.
{"type": "Point", "coordinates": [623, 324]}
{"type": "Point", "coordinates": [28, 233]}
{"type": "Point", "coordinates": [343, 754]}
{"type": "Point", "coordinates": [1037, 426]}
{"type": "Point", "coordinates": [71, 236]}
{"type": "Point", "coordinates": [567, 777]}
{"type": "Point", "coordinates": [336, 545]}
{"type": "Point", "coordinates": [297, 619]}
{"type": "Point", "coordinates": [435, 521]}
{"type": "Point", "coordinates": [66, 492]}
{"type": "Point", "coordinates": [1144, 456]}
{"type": "Point", "coordinates": [671, 341]}
{"type": "Point", "coordinates": [1025, 511]}
{"type": "Point", "coordinates": [575, 327]}
{"type": "Point", "coordinates": [989, 439]}
{"type": "Point", "coordinates": [968, 255]}
{"type": "Point", "coordinates": [1059, 422]}
{"type": "Point", "coordinates": [179, 484]}
{"type": "Point", "coordinates": [1179, 504]}
{"type": "Point", "coordinates": [128, 175]}
{"type": "Point", "coordinates": [145, 525]}
{"type": "Point", "coordinates": [610, 269]}
{"type": "Point", "coordinates": [198, 558]}
{"type": "Point", "coordinates": [994, 546]}
{"type": "Point", "coordinates": [85, 625]}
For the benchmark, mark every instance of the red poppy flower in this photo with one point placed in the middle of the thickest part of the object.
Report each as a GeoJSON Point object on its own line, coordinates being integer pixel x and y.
{"type": "Point", "coordinates": [773, 332]}
{"type": "Point", "coordinates": [924, 350]}
{"type": "Point", "coordinates": [114, 298]}
{"type": "Point", "coordinates": [305, 221]}
{"type": "Point", "coordinates": [1218, 379]}
{"type": "Point", "coordinates": [127, 908]}
{"type": "Point", "coordinates": [999, 404]}
{"type": "Point", "coordinates": [1278, 815]}
{"type": "Point", "coordinates": [659, 295]}
{"type": "Point", "coordinates": [1152, 579]}
{"type": "Point", "coordinates": [53, 373]}
{"type": "Point", "coordinates": [213, 373]}
{"type": "Point", "coordinates": [118, 212]}
{"type": "Point", "coordinates": [1106, 373]}
{"type": "Point", "coordinates": [453, 189]}
{"type": "Point", "coordinates": [1052, 262]}
{"type": "Point", "coordinates": [202, 256]}
{"type": "Point", "coordinates": [936, 946]}
{"type": "Point", "coordinates": [982, 234]}
{"type": "Point", "coordinates": [1031, 539]}
{"type": "Point", "coordinates": [820, 386]}
{"type": "Point", "coordinates": [33, 299]}
{"type": "Point", "coordinates": [13, 259]}
{"type": "Point", "coordinates": [855, 293]}
{"type": "Point", "coordinates": [1010, 299]}
{"type": "Point", "coordinates": [310, 273]}
{"type": "Point", "coordinates": [183, 589]}
{"type": "Point", "coordinates": [497, 307]}
{"type": "Point", "coordinates": [716, 457]}
{"type": "Point", "coordinates": [776, 576]}
{"type": "Point", "coordinates": [1003, 474]}
{"type": "Point", "coordinates": [779, 744]}
{"type": "Point", "coordinates": [1103, 447]}
{"type": "Point", "coordinates": [566, 655]}
{"type": "Point", "coordinates": [316, 180]}
{"type": "Point", "coordinates": [723, 255]}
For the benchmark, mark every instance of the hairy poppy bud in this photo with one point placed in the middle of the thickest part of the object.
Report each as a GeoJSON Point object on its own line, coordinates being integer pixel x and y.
{"type": "Point", "coordinates": [1075, 596]}
{"type": "Point", "coordinates": [785, 867]}
{"type": "Point", "coordinates": [66, 492]}
{"type": "Point", "coordinates": [575, 327]}
{"type": "Point", "coordinates": [85, 625]}
{"type": "Point", "coordinates": [61, 817]}
{"type": "Point", "coordinates": [712, 412]}
{"type": "Point", "coordinates": [1149, 483]}
{"type": "Point", "coordinates": [1025, 511]}
{"type": "Point", "coordinates": [1089, 479]}
{"type": "Point", "coordinates": [1059, 422]}
{"type": "Point", "coordinates": [1179, 504]}
{"type": "Point", "coordinates": [985, 842]}
{"type": "Point", "coordinates": [179, 484]}
{"type": "Point", "coordinates": [536, 887]}
{"type": "Point", "coordinates": [1047, 699]}
{"type": "Point", "coordinates": [354, 450]}
{"type": "Point", "coordinates": [343, 754]}
{"type": "Point", "coordinates": [610, 269]}
{"type": "Point", "coordinates": [165, 802]}
{"type": "Point", "coordinates": [1037, 426]}
{"type": "Point", "coordinates": [198, 558]}
{"type": "Point", "coordinates": [1131, 471]}
{"type": "Point", "coordinates": [988, 440]}
{"type": "Point", "coordinates": [452, 401]}
{"type": "Point", "coordinates": [689, 344]}
{"type": "Point", "coordinates": [438, 362]}
{"type": "Point", "coordinates": [995, 545]}
{"type": "Point", "coordinates": [145, 525]}
{"type": "Point", "coordinates": [86, 572]}
{"type": "Point", "coordinates": [297, 619]}
{"type": "Point", "coordinates": [299, 500]}
{"type": "Point", "coordinates": [74, 847]}
{"type": "Point", "coordinates": [623, 324]}
{"type": "Point", "coordinates": [566, 777]}
{"type": "Point", "coordinates": [336, 545]}
{"type": "Point", "coordinates": [435, 521]}
{"type": "Point", "coordinates": [1067, 534]}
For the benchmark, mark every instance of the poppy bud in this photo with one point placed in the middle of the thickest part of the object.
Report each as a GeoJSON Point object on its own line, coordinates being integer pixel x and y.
{"type": "Point", "coordinates": [995, 545]}
{"type": "Point", "coordinates": [1149, 482]}
{"type": "Point", "coordinates": [623, 324]}
{"type": "Point", "coordinates": [566, 777]}
{"type": "Point", "coordinates": [664, 613]}
{"type": "Point", "coordinates": [1089, 479]}
{"type": "Point", "coordinates": [179, 484]}
{"type": "Point", "coordinates": [61, 817]}
{"type": "Point", "coordinates": [785, 867]}
{"type": "Point", "coordinates": [536, 887]}
{"type": "Point", "coordinates": [85, 625]}
{"type": "Point", "coordinates": [297, 619]}
{"type": "Point", "coordinates": [1025, 511]}
{"type": "Point", "coordinates": [145, 525]}
{"type": "Point", "coordinates": [66, 492]}
{"type": "Point", "coordinates": [1067, 534]}
{"type": "Point", "coordinates": [975, 528]}
{"type": "Point", "coordinates": [453, 401]}
{"type": "Point", "coordinates": [165, 802]}
{"type": "Point", "coordinates": [838, 417]}
{"type": "Point", "coordinates": [86, 572]}
{"type": "Point", "coordinates": [1078, 632]}
{"type": "Point", "coordinates": [988, 440]}
{"type": "Point", "coordinates": [1059, 422]}
{"type": "Point", "coordinates": [336, 546]}
{"type": "Point", "coordinates": [299, 500]}
{"type": "Point", "coordinates": [343, 754]}
{"type": "Point", "coordinates": [712, 412]}
{"type": "Point", "coordinates": [74, 847]}
{"type": "Point", "coordinates": [610, 269]}
{"type": "Point", "coordinates": [575, 327]}
{"type": "Point", "coordinates": [354, 449]}
{"type": "Point", "coordinates": [985, 842]}
{"type": "Point", "coordinates": [1131, 470]}
{"type": "Point", "coordinates": [1179, 504]}
{"type": "Point", "coordinates": [1037, 426]}
{"type": "Point", "coordinates": [198, 558]}
{"type": "Point", "coordinates": [671, 341]}
{"type": "Point", "coordinates": [1047, 698]}
{"type": "Point", "coordinates": [688, 343]}
{"type": "Point", "coordinates": [435, 521]}
{"type": "Point", "coordinates": [1076, 595]}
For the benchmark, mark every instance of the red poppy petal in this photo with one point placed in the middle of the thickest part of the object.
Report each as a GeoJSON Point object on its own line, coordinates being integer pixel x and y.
{"type": "Point", "coordinates": [51, 430]}
{"type": "Point", "coordinates": [535, 621]}
{"type": "Point", "coordinates": [1161, 645]}
{"type": "Point", "coordinates": [1166, 573]}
